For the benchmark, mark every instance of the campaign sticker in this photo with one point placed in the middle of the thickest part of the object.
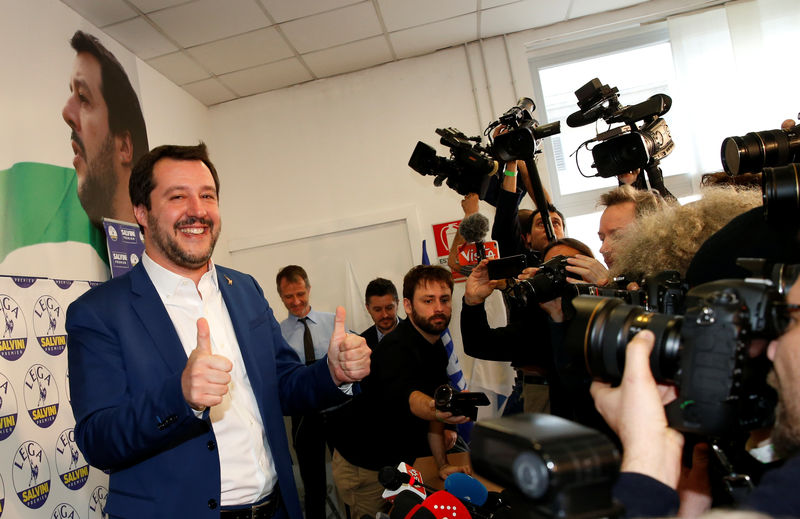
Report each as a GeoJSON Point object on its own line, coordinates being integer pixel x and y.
{"type": "Point", "coordinates": [14, 335]}
{"type": "Point", "coordinates": [48, 325]}
{"type": "Point", "coordinates": [97, 503]}
{"type": "Point", "coordinates": [71, 466]}
{"type": "Point", "coordinates": [31, 474]}
{"type": "Point", "coordinates": [8, 408]}
{"type": "Point", "coordinates": [64, 511]}
{"type": "Point", "coordinates": [41, 395]}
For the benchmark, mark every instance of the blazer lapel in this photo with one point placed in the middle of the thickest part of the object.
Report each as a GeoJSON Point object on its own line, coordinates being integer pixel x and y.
{"type": "Point", "coordinates": [238, 298]}
{"type": "Point", "coordinates": [155, 319]}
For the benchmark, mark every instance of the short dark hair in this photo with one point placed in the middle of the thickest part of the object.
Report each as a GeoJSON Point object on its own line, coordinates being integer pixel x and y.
{"type": "Point", "coordinates": [141, 183]}
{"type": "Point", "coordinates": [124, 110]}
{"type": "Point", "coordinates": [570, 242]}
{"type": "Point", "coordinates": [425, 274]}
{"type": "Point", "coordinates": [380, 287]}
{"type": "Point", "coordinates": [291, 273]}
{"type": "Point", "coordinates": [550, 209]}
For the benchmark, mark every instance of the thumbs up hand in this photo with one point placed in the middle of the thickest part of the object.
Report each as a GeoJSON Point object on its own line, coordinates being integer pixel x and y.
{"type": "Point", "coordinates": [348, 354]}
{"type": "Point", "coordinates": [205, 378]}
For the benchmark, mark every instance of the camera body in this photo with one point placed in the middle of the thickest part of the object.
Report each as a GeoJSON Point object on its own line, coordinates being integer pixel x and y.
{"type": "Point", "coordinates": [464, 403]}
{"type": "Point", "coordinates": [471, 164]}
{"type": "Point", "coordinates": [630, 146]}
{"type": "Point", "coordinates": [705, 352]}
{"type": "Point", "coordinates": [466, 171]}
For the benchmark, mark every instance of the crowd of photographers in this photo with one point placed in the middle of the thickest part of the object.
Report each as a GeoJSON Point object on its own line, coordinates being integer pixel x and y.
{"type": "Point", "coordinates": [706, 328]}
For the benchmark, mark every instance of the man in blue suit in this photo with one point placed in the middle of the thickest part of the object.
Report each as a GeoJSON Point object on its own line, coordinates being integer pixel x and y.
{"type": "Point", "coordinates": [179, 376]}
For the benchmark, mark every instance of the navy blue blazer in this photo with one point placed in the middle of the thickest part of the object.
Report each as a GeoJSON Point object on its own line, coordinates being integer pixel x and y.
{"type": "Point", "coordinates": [125, 363]}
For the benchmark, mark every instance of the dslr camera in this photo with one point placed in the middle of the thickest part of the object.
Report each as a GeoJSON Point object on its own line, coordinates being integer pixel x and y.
{"type": "Point", "coordinates": [710, 352]}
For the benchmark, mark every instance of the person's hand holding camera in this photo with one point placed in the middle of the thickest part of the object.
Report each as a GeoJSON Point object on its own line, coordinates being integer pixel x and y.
{"type": "Point", "coordinates": [478, 286]}
{"type": "Point", "coordinates": [589, 269]}
{"type": "Point", "coordinates": [635, 411]}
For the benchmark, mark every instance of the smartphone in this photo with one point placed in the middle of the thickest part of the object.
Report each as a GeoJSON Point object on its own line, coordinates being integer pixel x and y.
{"type": "Point", "coordinates": [506, 268]}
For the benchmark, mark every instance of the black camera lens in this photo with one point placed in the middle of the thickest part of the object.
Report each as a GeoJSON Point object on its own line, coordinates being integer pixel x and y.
{"type": "Point", "coordinates": [443, 396]}
{"type": "Point", "coordinates": [780, 188]}
{"type": "Point", "coordinates": [755, 150]}
{"type": "Point", "coordinates": [602, 328]}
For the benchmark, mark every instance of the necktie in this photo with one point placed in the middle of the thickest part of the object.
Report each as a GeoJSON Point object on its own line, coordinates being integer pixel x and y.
{"type": "Point", "coordinates": [308, 342]}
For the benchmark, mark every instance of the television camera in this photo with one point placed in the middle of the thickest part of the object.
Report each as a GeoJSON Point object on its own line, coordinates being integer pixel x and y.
{"type": "Point", "coordinates": [641, 141]}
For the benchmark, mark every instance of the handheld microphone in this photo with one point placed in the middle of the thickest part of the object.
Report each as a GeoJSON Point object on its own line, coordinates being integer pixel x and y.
{"type": "Point", "coordinates": [400, 479]}
{"type": "Point", "coordinates": [466, 488]}
{"type": "Point", "coordinates": [474, 228]}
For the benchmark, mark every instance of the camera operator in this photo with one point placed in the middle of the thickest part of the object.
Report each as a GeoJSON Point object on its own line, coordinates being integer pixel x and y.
{"type": "Point", "coordinates": [525, 342]}
{"type": "Point", "coordinates": [622, 206]}
{"type": "Point", "coordinates": [651, 458]}
{"type": "Point", "coordinates": [509, 229]}
{"type": "Point", "coordinates": [394, 419]}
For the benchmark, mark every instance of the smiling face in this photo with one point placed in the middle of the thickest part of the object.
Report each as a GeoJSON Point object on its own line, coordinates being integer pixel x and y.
{"type": "Point", "coordinates": [86, 113]}
{"type": "Point", "coordinates": [183, 223]}
{"type": "Point", "coordinates": [295, 296]}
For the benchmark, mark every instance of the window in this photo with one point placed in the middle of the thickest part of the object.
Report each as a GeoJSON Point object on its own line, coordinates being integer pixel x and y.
{"type": "Point", "coordinates": [639, 65]}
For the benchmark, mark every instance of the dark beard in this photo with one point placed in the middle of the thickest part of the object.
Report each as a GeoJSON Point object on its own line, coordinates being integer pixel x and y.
{"type": "Point", "coordinates": [169, 246]}
{"type": "Point", "coordinates": [427, 326]}
{"type": "Point", "coordinates": [96, 192]}
{"type": "Point", "coordinates": [785, 435]}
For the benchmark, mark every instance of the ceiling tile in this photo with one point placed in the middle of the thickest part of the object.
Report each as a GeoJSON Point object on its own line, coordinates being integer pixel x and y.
{"type": "Point", "coordinates": [285, 10]}
{"type": "Point", "coordinates": [148, 6]}
{"type": "Point", "coordinates": [586, 7]}
{"type": "Point", "coordinates": [209, 92]}
{"type": "Point", "coordinates": [140, 38]}
{"type": "Point", "coordinates": [179, 68]}
{"type": "Point", "coordinates": [427, 38]}
{"type": "Point", "coordinates": [244, 51]}
{"type": "Point", "coordinates": [522, 15]}
{"type": "Point", "coordinates": [349, 57]}
{"type": "Point", "coordinates": [332, 28]}
{"type": "Point", "coordinates": [266, 77]}
{"type": "Point", "coordinates": [402, 14]}
{"type": "Point", "coordinates": [102, 13]}
{"type": "Point", "coordinates": [209, 20]}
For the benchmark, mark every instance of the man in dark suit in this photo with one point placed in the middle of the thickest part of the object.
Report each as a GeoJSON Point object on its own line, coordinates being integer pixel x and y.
{"type": "Point", "coordinates": [381, 302]}
{"type": "Point", "coordinates": [179, 375]}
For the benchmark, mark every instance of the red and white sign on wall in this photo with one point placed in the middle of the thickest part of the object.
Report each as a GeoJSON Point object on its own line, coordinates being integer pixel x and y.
{"type": "Point", "coordinates": [445, 233]}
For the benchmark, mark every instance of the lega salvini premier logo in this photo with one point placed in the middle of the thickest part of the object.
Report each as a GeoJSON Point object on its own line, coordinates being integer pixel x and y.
{"type": "Point", "coordinates": [41, 395]}
{"type": "Point", "coordinates": [31, 474]}
{"type": "Point", "coordinates": [13, 331]}
{"type": "Point", "coordinates": [48, 323]}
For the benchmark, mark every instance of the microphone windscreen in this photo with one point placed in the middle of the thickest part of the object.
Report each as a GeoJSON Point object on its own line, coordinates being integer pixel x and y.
{"type": "Point", "coordinates": [466, 488]}
{"type": "Point", "coordinates": [391, 478]}
{"type": "Point", "coordinates": [474, 227]}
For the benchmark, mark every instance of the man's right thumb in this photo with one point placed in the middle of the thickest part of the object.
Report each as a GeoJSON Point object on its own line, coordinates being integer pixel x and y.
{"type": "Point", "coordinates": [203, 336]}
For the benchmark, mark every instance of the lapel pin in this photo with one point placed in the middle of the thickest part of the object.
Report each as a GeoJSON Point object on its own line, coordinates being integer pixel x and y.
{"type": "Point", "coordinates": [230, 281]}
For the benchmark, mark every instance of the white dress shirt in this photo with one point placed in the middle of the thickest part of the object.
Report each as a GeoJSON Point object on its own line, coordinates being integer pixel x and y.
{"type": "Point", "coordinates": [247, 470]}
